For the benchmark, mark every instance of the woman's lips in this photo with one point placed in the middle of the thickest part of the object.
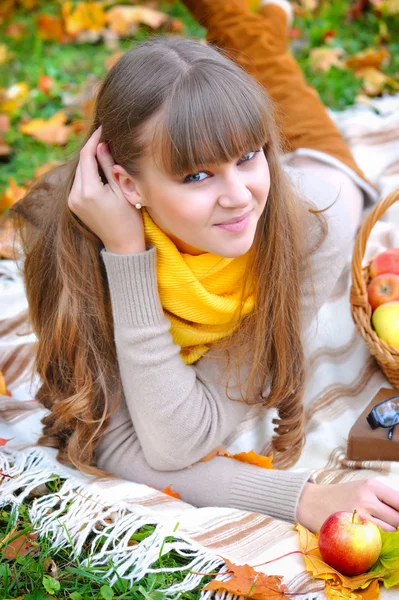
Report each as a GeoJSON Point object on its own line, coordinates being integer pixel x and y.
{"type": "Point", "coordinates": [238, 226]}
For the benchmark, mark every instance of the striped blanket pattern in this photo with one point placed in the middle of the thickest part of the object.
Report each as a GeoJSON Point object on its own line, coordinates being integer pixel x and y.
{"type": "Point", "coordinates": [343, 379]}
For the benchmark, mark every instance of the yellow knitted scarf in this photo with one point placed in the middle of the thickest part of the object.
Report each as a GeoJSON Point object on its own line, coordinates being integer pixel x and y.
{"type": "Point", "coordinates": [199, 294]}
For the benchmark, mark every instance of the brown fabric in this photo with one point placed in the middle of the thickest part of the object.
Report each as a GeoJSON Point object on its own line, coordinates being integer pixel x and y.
{"type": "Point", "coordinates": [365, 443]}
{"type": "Point", "coordinates": [258, 42]}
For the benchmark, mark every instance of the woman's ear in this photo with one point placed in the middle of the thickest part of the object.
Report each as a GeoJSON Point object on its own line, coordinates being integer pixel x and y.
{"type": "Point", "coordinates": [127, 184]}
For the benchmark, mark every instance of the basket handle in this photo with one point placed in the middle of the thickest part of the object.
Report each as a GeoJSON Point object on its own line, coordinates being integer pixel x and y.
{"type": "Point", "coordinates": [359, 287]}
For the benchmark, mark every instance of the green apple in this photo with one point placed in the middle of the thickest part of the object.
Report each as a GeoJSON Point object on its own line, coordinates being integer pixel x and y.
{"type": "Point", "coordinates": [385, 320]}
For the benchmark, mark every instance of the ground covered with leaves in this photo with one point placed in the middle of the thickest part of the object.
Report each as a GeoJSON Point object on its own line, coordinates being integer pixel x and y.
{"type": "Point", "coordinates": [53, 54]}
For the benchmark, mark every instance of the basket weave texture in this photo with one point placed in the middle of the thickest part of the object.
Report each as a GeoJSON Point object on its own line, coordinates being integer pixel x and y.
{"type": "Point", "coordinates": [386, 356]}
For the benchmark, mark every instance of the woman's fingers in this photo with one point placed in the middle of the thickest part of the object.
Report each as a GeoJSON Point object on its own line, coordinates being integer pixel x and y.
{"type": "Point", "coordinates": [386, 514]}
{"type": "Point", "coordinates": [106, 161]}
{"type": "Point", "coordinates": [387, 495]}
{"type": "Point", "coordinates": [382, 524]}
{"type": "Point", "coordinates": [89, 167]}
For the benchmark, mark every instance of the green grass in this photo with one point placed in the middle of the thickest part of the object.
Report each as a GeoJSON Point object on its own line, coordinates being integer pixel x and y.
{"type": "Point", "coordinates": [44, 574]}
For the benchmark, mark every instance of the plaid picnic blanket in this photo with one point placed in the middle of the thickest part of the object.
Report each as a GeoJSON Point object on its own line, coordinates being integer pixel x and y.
{"type": "Point", "coordinates": [343, 379]}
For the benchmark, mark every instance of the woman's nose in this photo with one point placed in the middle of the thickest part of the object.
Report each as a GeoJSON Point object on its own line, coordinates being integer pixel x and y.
{"type": "Point", "coordinates": [234, 192]}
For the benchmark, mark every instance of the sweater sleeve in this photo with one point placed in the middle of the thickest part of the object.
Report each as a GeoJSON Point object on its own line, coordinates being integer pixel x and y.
{"type": "Point", "coordinates": [180, 413]}
{"type": "Point", "coordinates": [218, 482]}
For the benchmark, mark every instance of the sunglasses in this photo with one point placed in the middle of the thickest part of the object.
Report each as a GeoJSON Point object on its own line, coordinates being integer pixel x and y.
{"type": "Point", "coordinates": [385, 414]}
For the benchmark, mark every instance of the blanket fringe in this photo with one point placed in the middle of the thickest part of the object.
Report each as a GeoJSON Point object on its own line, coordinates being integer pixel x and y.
{"type": "Point", "coordinates": [71, 515]}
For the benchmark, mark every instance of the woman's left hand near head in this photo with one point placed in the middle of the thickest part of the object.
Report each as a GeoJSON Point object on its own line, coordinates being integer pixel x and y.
{"type": "Point", "coordinates": [102, 207]}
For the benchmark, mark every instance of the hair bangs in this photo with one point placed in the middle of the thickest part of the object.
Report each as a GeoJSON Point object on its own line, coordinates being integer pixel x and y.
{"type": "Point", "coordinates": [209, 120]}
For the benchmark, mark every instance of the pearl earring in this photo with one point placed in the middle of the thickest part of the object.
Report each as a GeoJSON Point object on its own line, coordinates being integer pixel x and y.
{"type": "Point", "coordinates": [138, 205]}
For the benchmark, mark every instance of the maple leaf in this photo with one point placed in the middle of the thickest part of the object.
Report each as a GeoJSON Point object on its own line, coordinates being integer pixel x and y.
{"type": "Point", "coordinates": [124, 20]}
{"type": "Point", "coordinates": [251, 584]}
{"type": "Point", "coordinates": [323, 58]}
{"type": "Point", "coordinates": [246, 457]}
{"type": "Point", "coordinates": [387, 565]}
{"type": "Point", "coordinates": [85, 16]}
{"type": "Point", "coordinates": [53, 131]}
{"type": "Point", "coordinates": [168, 490]}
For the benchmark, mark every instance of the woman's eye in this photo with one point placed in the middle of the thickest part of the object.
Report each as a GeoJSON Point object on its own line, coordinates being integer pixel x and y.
{"type": "Point", "coordinates": [243, 159]}
{"type": "Point", "coordinates": [188, 180]}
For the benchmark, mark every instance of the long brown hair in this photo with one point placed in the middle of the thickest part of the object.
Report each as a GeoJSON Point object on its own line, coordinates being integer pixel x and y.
{"type": "Point", "coordinates": [203, 109]}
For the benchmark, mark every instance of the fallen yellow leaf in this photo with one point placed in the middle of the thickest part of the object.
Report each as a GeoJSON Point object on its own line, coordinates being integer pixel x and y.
{"type": "Point", "coordinates": [13, 97]}
{"type": "Point", "coordinates": [85, 16]}
{"type": "Point", "coordinates": [337, 592]}
{"type": "Point", "coordinates": [374, 81]}
{"type": "Point", "coordinates": [124, 19]}
{"type": "Point", "coordinates": [54, 131]}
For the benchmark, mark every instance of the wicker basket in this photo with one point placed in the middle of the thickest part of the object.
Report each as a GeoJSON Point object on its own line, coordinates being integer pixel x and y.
{"type": "Point", "coordinates": [386, 356]}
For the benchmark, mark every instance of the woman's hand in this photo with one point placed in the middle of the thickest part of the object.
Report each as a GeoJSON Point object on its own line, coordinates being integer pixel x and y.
{"type": "Point", "coordinates": [103, 208]}
{"type": "Point", "coordinates": [373, 499]}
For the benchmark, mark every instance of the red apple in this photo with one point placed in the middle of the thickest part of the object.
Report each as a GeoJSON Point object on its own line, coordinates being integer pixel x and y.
{"type": "Point", "coordinates": [386, 262]}
{"type": "Point", "coordinates": [383, 288]}
{"type": "Point", "coordinates": [349, 542]}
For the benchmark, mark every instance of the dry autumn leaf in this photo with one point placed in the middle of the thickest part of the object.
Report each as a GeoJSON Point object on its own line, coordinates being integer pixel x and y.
{"type": "Point", "coordinates": [54, 131]}
{"type": "Point", "coordinates": [249, 583]}
{"type": "Point", "coordinates": [124, 20]}
{"type": "Point", "coordinates": [85, 16]}
{"type": "Point", "coordinates": [386, 7]}
{"type": "Point", "coordinates": [16, 544]}
{"type": "Point", "coordinates": [50, 28]}
{"type": "Point", "coordinates": [45, 83]}
{"type": "Point", "coordinates": [372, 57]}
{"type": "Point", "coordinates": [247, 457]}
{"type": "Point", "coordinates": [323, 58]}
{"type": "Point", "coordinates": [374, 81]}
{"type": "Point", "coordinates": [13, 97]}
{"type": "Point", "coordinates": [168, 490]}
{"type": "Point", "coordinates": [333, 592]}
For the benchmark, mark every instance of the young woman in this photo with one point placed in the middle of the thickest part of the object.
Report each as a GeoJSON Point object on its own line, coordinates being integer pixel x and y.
{"type": "Point", "coordinates": [172, 270]}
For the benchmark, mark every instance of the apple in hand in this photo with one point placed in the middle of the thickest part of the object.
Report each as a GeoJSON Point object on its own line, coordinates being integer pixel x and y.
{"type": "Point", "coordinates": [385, 321]}
{"type": "Point", "coordinates": [349, 542]}
{"type": "Point", "coordinates": [386, 262]}
{"type": "Point", "coordinates": [382, 289]}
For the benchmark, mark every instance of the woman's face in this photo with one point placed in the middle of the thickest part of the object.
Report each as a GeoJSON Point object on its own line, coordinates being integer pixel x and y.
{"type": "Point", "coordinates": [189, 209]}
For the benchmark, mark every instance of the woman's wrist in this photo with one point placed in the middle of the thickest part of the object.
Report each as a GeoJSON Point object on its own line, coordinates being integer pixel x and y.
{"type": "Point", "coordinates": [308, 505]}
{"type": "Point", "coordinates": [128, 249]}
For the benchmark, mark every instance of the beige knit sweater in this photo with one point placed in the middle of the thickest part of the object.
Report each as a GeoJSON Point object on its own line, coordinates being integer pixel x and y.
{"type": "Point", "coordinates": [172, 415]}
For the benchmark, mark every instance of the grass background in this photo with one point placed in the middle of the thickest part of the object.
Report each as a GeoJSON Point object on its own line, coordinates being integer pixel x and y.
{"type": "Point", "coordinates": [42, 573]}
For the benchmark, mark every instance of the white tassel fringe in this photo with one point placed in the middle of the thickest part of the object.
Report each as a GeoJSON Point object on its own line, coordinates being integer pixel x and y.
{"type": "Point", "coordinates": [70, 515]}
